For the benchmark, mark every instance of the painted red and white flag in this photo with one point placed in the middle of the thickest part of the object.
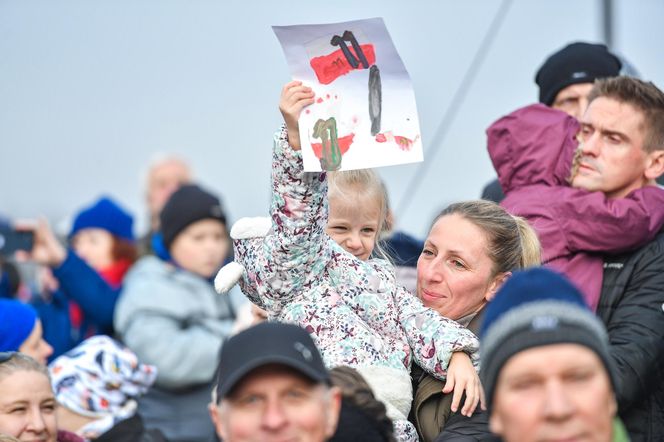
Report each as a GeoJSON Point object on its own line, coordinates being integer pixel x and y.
{"type": "Point", "coordinates": [365, 113]}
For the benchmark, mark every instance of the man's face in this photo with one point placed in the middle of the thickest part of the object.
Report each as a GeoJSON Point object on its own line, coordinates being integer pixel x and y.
{"type": "Point", "coordinates": [164, 179]}
{"type": "Point", "coordinates": [554, 392]}
{"type": "Point", "coordinates": [275, 403]}
{"type": "Point", "coordinates": [573, 99]}
{"type": "Point", "coordinates": [613, 160]}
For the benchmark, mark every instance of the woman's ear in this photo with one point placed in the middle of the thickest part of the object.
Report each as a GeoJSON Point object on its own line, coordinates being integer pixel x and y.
{"type": "Point", "coordinates": [496, 284]}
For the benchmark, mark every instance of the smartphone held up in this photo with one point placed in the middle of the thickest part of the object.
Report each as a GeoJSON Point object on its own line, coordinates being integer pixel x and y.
{"type": "Point", "coordinates": [12, 240]}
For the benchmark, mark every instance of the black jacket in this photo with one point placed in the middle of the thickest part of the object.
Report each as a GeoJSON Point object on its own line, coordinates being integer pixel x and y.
{"type": "Point", "coordinates": [131, 430]}
{"type": "Point", "coordinates": [631, 306]}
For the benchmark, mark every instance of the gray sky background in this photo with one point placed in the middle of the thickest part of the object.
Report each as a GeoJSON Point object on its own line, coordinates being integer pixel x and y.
{"type": "Point", "coordinates": [90, 91]}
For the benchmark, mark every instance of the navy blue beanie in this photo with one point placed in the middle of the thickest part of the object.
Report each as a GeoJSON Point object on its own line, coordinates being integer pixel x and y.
{"type": "Point", "coordinates": [534, 308]}
{"type": "Point", "coordinates": [575, 63]}
{"type": "Point", "coordinates": [16, 323]}
{"type": "Point", "coordinates": [108, 215]}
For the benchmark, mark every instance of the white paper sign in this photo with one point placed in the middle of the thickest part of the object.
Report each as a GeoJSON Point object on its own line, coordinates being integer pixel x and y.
{"type": "Point", "coordinates": [365, 113]}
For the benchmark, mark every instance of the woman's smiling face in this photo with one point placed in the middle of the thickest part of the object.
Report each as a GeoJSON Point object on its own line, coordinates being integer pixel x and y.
{"type": "Point", "coordinates": [27, 407]}
{"type": "Point", "coordinates": [454, 272]}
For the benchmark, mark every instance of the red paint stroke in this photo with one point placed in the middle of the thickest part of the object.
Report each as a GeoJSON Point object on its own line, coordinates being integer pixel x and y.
{"type": "Point", "coordinates": [344, 145]}
{"type": "Point", "coordinates": [330, 67]}
{"type": "Point", "coordinates": [319, 100]}
{"type": "Point", "coordinates": [403, 143]}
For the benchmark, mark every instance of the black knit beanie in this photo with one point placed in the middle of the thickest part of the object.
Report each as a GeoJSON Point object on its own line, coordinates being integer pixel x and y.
{"type": "Point", "coordinates": [575, 63]}
{"type": "Point", "coordinates": [187, 205]}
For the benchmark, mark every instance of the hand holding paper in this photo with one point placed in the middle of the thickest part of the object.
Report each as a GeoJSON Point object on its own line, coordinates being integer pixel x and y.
{"type": "Point", "coordinates": [294, 97]}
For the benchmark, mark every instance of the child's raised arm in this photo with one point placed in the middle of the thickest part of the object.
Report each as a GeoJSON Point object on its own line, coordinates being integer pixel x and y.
{"type": "Point", "coordinates": [296, 250]}
{"type": "Point", "coordinates": [434, 340]}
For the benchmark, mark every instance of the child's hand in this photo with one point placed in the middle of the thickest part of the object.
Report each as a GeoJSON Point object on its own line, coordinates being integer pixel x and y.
{"type": "Point", "coordinates": [294, 97]}
{"type": "Point", "coordinates": [461, 375]}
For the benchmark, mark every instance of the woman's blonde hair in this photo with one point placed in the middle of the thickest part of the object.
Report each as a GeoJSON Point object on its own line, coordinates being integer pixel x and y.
{"type": "Point", "coordinates": [348, 183]}
{"type": "Point", "coordinates": [21, 362]}
{"type": "Point", "coordinates": [512, 242]}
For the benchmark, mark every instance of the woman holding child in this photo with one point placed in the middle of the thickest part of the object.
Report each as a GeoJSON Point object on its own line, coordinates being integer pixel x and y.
{"type": "Point", "coordinates": [316, 268]}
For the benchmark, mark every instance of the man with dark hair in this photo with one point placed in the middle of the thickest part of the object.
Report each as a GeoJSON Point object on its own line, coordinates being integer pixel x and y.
{"type": "Point", "coordinates": [622, 149]}
{"type": "Point", "coordinates": [272, 385]}
{"type": "Point", "coordinates": [565, 80]}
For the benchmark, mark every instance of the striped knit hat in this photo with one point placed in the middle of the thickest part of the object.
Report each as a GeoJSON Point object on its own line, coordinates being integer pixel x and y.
{"type": "Point", "coordinates": [534, 308]}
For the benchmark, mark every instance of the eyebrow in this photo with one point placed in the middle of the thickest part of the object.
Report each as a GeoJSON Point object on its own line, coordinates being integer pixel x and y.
{"type": "Point", "coordinates": [605, 130]}
{"type": "Point", "coordinates": [18, 402]}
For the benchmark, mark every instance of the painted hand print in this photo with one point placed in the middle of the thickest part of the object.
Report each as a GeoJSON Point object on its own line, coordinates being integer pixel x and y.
{"type": "Point", "coordinates": [365, 113]}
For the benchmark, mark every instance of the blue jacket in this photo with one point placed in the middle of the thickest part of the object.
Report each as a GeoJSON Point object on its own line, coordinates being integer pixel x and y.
{"type": "Point", "coordinates": [80, 283]}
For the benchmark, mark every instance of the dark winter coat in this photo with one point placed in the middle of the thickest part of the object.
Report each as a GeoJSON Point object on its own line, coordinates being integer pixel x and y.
{"type": "Point", "coordinates": [632, 308]}
{"type": "Point", "coordinates": [131, 430]}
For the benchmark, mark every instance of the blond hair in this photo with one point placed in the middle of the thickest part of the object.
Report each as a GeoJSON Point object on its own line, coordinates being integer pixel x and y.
{"type": "Point", "coordinates": [21, 362]}
{"type": "Point", "coordinates": [512, 242]}
{"type": "Point", "coordinates": [347, 184]}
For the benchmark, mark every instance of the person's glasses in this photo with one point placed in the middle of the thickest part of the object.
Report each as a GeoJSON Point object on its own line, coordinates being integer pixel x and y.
{"type": "Point", "coordinates": [6, 355]}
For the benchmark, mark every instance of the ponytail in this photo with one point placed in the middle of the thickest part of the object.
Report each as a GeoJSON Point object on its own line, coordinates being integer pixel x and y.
{"type": "Point", "coordinates": [531, 250]}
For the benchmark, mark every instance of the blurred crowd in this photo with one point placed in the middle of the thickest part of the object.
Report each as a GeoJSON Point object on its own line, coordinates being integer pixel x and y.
{"type": "Point", "coordinates": [533, 313]}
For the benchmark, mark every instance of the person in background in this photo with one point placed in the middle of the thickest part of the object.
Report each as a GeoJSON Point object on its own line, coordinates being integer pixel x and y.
{"type": "Point", "coordinates": [546, 367]}
{"type": "Point", "coordinates": [97, 385]}
{"type": "Point", "coordinates": [533, 150]}
{"type": "Point", "coordinates": [171, 317]}
{"type": "Point", "coordinates": [565, 80]}
{"type": "Point", "coordinates": [165, 175]}
{"type": "Point", "coordinates": [362, 417]}
{"type": "Point", "coordinates": [621, 154]}
{"type": "Point", "coordinates": [88, 276]}
{"type": "Point", "coordinates": [272, 385]}
{"type": "Point", "coordinates": [21, 331]}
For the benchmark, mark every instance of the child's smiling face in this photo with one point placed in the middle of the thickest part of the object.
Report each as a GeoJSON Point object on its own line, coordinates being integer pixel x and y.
{"type": "Point", "coordinates": [353, 222]}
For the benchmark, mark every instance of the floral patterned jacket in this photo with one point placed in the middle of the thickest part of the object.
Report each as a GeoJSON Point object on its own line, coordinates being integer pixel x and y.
{"type": "Point", "coordinates": [355, 311]}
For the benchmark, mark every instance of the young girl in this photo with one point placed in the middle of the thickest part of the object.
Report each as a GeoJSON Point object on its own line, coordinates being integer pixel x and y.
{"type": "Point", "coordinates": [314, 271]}
{"type": "Point", "coordinates": [533, 151]}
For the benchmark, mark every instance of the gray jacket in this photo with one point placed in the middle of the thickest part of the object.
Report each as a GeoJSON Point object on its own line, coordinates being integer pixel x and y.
{"type": "Point", "coordinates": [174, 319]}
